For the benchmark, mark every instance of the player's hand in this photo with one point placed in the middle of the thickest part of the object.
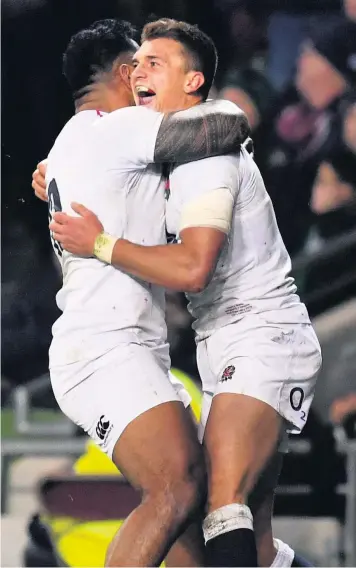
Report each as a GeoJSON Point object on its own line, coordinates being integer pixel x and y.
{"type": "Point", "coordinates": [39, 180]}
{"type": "Point", "coordinates": [76, 234]}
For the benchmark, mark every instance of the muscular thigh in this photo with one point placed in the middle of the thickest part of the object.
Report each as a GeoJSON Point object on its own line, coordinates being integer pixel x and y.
{"type": "Point", "coordinates": [159, 447]}
{"type": "Point", "coordinates": [126, 383]}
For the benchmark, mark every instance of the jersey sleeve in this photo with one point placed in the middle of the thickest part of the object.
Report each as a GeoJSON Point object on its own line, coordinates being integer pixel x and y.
{"type": "Point", "coordinates": [189, 181]}
{"type": "Point", "coordinates": [130, 135]}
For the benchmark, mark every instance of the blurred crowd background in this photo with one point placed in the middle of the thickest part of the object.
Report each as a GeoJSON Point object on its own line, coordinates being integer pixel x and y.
{"type": "Point", "coordinates": [291, 66]}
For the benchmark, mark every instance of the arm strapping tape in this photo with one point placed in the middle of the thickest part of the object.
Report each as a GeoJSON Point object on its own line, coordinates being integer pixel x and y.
{"type": "Point", "coordinates": [213, 209]}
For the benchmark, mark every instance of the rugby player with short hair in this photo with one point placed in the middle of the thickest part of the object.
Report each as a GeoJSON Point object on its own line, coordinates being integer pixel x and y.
{"type": "Point", "coordinates": [109, 358]}
{"type": "Point", "coordinates": [258, 355]}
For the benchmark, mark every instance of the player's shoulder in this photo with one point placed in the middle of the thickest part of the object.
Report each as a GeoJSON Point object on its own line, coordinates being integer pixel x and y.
{"type": "Point", "coordinates": [78, 126]}
{"type": "Point", "coordinates": [208, 174]}
{"type": "Point", "coordinates": [76, 139]}
{"type": "Point", "coordinates": [84, 118]}
{"type": "Point", "coordinates": [126, 118]}
{"type": "Point", "coordinates": [70, 125]}
{"type": "Point", "coordinates": [129, 135]}
{"type": "Point", "coordinates": [214, 165]}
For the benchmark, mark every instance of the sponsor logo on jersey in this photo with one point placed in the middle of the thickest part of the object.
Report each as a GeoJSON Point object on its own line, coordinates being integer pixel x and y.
{"type": "Point", "coordinates": [103, 427]}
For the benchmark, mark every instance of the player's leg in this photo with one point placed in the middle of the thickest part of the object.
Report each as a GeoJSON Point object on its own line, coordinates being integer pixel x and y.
{"type": "Point", "coordinates": [240, 438]}
{"type": "Point", "coordinates": [128, 406]}
{"type": "Point", "coordinates": [158, 453]}
{"type": "Point", "coordinates": [251, 402]}
{"type": "Point", "coordinates": [261, 502]}
{"type": "Point", "coordinates": [271, 552]}
{"type": "Point", "coordinates": [189, 549]}
{"type": "Point", "coordinates": [262, 526]}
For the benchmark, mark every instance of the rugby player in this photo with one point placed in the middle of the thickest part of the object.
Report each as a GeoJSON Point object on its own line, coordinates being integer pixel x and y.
{"type": "Point", "coordinates": [109, 358]}
{"type": "Point", "coordinates": [258, 355]}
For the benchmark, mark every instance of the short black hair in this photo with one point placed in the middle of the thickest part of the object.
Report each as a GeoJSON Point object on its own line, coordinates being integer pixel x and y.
{"type": "Point", "coordinates": [93, 51]}
{"type": "Point", "coordinates": [198, 46]}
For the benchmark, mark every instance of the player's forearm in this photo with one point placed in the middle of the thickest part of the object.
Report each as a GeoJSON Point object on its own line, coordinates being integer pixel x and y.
{"type": "Point", "coordinates": [200, 132]}
{"type": "Point", "coordinates": [168, 266]}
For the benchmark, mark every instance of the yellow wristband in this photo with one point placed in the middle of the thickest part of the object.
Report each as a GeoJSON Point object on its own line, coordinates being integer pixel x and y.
{"type": "Point", "coordinates": [103, 247]}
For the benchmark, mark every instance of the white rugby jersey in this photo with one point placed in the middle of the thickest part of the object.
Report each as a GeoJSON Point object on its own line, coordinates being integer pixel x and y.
{"type": "Point", "coordinates": [253, 270]}
{"type": "Point", "coordinates": [101, 160]}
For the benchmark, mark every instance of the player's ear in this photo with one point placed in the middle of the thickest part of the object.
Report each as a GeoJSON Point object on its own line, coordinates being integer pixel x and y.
{"type": "Point", "coordinates": [125, 71]}
{"type": "Point", "coordinates": [194, 80]}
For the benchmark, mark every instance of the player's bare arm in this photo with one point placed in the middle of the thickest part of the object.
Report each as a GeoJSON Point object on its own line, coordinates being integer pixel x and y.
{"type": "Point", "coordinates": [209, 129]}
{"type": "Point", "coordinates": [202, 131]}
{"type": "Point", "coordinates": [187, 266]}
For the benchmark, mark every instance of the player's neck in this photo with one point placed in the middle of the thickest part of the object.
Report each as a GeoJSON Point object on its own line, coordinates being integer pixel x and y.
{"type": "Point", "coordinates": [100, 99]}
{"type": "Point", "coordinates": [189, 101]}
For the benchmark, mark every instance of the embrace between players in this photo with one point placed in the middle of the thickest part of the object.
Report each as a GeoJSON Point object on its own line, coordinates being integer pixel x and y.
{"type": "Point", "coordinates": [207, 491]}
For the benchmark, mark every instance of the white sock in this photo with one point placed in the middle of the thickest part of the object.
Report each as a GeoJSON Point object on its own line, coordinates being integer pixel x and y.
{"type": "Point", "coordinates": [226, 519]}
{"type": "Point", "coordinates": [284, 556]}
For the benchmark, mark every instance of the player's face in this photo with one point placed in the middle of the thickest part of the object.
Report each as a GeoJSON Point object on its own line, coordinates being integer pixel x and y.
{"type": "Point", "coordinates": [160, 79]}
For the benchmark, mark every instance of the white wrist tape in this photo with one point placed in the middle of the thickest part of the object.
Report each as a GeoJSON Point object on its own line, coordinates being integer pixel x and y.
{"type": "Point", "coordinates": [103, 247]}
{"type": "Point", "coordinates": [213, 209]}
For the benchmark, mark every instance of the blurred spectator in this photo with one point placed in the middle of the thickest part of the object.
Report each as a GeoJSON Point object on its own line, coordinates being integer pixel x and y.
{"type": "Point", "coordinates": [244, 33]}
{"type": "Point", "coordinates": [350, 9]}
{"type": "Point", "coordinates": [305, 126]}
{"type": "Point", "coordinates": [330, 191]}
{"type": "Point", "coordinates": [279, 25]}
{"type": "Point", "coordinates": [334, 192]}
{"type": "Point", "coordinates": [289, 24]}
{"type": "Point", "coordinates": [250, 90]}
{"type": "Point", "coordinates": [342, 407]}
{"type": "Point", "coordinates": [335, 184]}
{"type": "Point", "coordinates": [350, 128]}
{"type": "Point", "coordinates": [327, 67]}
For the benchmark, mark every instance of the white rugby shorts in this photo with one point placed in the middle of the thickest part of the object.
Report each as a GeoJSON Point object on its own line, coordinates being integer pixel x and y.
{"type": "Point", "coordinates": [114, 390]}
{"type": "Point", "coordinates": [275, 363]}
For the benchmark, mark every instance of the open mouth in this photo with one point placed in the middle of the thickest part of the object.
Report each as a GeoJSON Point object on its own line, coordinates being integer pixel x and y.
{"type": "Point", "coordinates": [145, 95]}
